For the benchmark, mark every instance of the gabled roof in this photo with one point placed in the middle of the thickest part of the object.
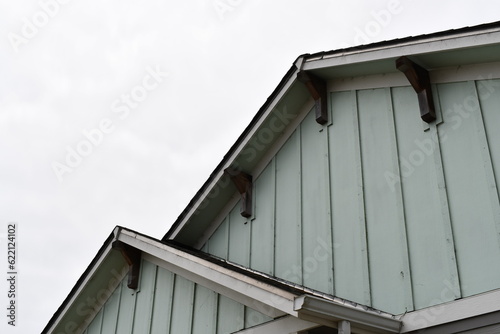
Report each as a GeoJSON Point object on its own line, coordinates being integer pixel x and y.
{"type": "Point", "coordinates": [471, 45]}
{"type": "Point", "coordinates": [268, 295]}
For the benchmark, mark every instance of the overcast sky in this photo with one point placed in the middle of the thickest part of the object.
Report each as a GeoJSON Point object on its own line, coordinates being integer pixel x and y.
{"type": "Point", "coordinates": [116, 112]}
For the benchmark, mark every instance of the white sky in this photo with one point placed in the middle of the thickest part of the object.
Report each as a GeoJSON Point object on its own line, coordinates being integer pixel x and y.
{"type": "Point", "coordinates": [73, 70]}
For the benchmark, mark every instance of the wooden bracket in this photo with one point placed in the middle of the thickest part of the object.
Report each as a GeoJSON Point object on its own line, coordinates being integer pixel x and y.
{"type": "Point", "coordinates": [243, 183]}
{"type": "Point", "coordinates": [317, 88]}
{"type": "Point", "coordinates": [419, 79]}
{"type": "Point", "coordinates": [133, 257]}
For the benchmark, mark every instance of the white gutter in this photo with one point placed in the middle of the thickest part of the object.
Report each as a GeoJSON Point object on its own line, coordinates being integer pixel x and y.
{"type": "Point", "coordinates": [330, 313]}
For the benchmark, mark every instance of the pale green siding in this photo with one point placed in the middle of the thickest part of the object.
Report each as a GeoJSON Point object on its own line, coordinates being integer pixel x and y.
{"type": "Point", "coordinates": [377, 207]}
{"type": "Point", "coordinates": [169, 303]}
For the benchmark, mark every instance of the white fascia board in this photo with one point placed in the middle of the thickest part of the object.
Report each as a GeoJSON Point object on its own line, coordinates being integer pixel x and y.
{"type": "Point", "coordinates": [258, 295]}
{"type": "Point", "coordinates": [329, 312]}
{"type": "Point", "coordinates": [82, 285]}
{"type": "Point", "coordinates": [230, 160]}
{"type": "Point", "coordinates": [452, 311]}
{"type": "Point", "coordinates": [416, 47]}
{"type": "Point", "coordinates": [286, 325]}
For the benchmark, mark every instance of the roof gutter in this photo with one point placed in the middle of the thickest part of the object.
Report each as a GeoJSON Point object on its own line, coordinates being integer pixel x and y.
{"type": "Point", "coordinates": [329, 313]}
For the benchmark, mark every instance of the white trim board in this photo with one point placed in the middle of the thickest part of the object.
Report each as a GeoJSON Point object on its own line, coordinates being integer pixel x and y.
{"type": "Point", "coordinates": [486, 71]}
{"type": "Point", "coordinates": [452, 311]}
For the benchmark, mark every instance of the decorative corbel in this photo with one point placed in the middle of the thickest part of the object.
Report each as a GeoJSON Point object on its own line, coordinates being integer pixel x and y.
{"type": "Point", "coordinates": [243, 183]}
{"type": "Point", "coordinates": [419, 79]}
{"type": "Point", "coordinates": [133, 257]}
{"type": "Point", "coordinates": [317, 88]}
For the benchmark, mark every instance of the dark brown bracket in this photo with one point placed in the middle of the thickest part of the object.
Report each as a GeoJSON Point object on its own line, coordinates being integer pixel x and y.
{"type": "Point", "coordinates": [419, 79]}
{"type": "Point", "coordinates": [133, 257]}
{"type": "Point", "coordinates": [317, 88]}
{"type": "Point", "coordinates": [243, 183]}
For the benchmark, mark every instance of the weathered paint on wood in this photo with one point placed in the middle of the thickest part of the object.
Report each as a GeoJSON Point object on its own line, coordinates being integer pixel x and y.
{"type": "Point", "coordinates": [110, 310]}
{"type": "Point", "coordinates": [317, 265]}
{"type": "Point", "coordinates": [428, 226]}
{"type": "Point", "coordinates": [388, 257]}
{"type": "Point", "coordinates": [231, 316]}
{"type": "Point", "coordinates": [162, 305]}
{"type": "Point", "coordinates": [467, 166]}
{"type": "Point", "coordinates": [127, 308]}
{"type": "Point", "coordinates": [204, 312]}
{"type": "Point", "coordinates": [169, 303]}
{"type": "Point", "coordinates": [262, 247]}
{"type": "Point", "coordinates": [288, 237]}
{"type": "Point", "coordinates": [145, 298]}
{"type": "Point", "coordinates": [410, 214]}
{"type": "Point", "coordinates": [350, 250]}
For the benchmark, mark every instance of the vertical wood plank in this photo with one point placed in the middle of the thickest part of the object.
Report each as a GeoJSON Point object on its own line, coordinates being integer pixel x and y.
{"type": "Point", "coordinates": [162, 304]}
{"type": "Point", "coordinates": [218, 243]}
{"type": "Point", "coordinates": [127, 309]}
{"type": "Point", "coordinates": [350, 249]}
{"type": "Point", "coordinates": [288, 248]}
{"type": "Point", "coordinates": [96, 324]}
{"type": "Point", "coordinates": [262, 247]}
{"type": "Point", "coordinates": [205, 311]}
{"type": "Point", "coordinates": [488, 92]}
{"type": "Point", "coordinates": [317, 265]}
{"type": "Point", "coordinates": [145, 298]}
{"type": "Point", "coordinates": [388, 254]}
{"type": "Point", "coordinates": [469, 178]}
{"type": "Point", "coordinates": [254, 318]}
{"type": "Point", "coordinates": [230, 315]}
{"type": "Point", "coordinates": [430, 240]}
{"type": "Point", "coordinates": [182, 306]}
{"type": "Point", "coordinates": [239, 238]}
{"type": "Point", "coordinates": [111, 311]}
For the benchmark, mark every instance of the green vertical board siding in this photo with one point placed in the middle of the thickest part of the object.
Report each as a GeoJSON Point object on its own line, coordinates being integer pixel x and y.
{"type": "Point", "coordinates": [254, 318]}
{"type": "Point", "coordinates": [388, 256]}
{"type": "Point", "coordinates": [430, 239]}
{"type": "Point", "coordinates": [489, 97]}
{"type": "Point", "coordinates": [111, 309]}
{"type": "Point", "coordinates": [182, 306]}
{"type": "Point", "coordinates": [231, 316]}
{"type": "Point", "coordinates": [168, 303]}
{"type": "Point", "coordinates": [96, 324]}
{"type": "Point", "coordinates": [239, 237]}
{"type": "Point", "coordinates": [127, 308]}
{"type": "Point", "coordinates": [288, 248]}
{"type": "Point", "coordinates": [162, 304]}
{"type": "Point", "coordinates": [317, 266]}
{"type": "Point", "coordinates": [469, 178]}
{"type": "Point", "coordinates": [414, 210]}
{"type": "Point", "coordinates": [145, 297]}
{"type": "Point", "coordinates": [205, 311]}
{"type": "Point", "coordinates": [262, 247]}
{"type": "Point", "coordinates": [348, 218]}
{"type": "Point", "coordinates": [219, 241]}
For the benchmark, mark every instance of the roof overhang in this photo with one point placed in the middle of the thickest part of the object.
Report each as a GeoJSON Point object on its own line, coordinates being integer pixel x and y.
{"type": "Point", "coordinates": [268, 295]}
{"type": "Point", "coordinates": [449, 51]}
